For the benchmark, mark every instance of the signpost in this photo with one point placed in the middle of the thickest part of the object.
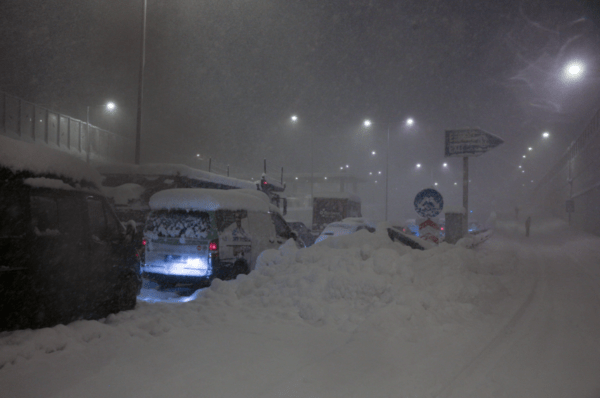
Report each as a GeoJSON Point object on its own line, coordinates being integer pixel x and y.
{"type": "Point", "coordinates": [429, 203]}
{"type": "Point", "coordinates": [465, 143]}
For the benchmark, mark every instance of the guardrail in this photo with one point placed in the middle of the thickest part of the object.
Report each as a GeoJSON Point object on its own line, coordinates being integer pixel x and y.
{"type": "Point", "coordinates": [27, 121]}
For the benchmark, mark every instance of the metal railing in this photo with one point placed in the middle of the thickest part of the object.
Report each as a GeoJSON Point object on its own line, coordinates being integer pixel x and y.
{"type": "Point", "coordinates": [27, 121]}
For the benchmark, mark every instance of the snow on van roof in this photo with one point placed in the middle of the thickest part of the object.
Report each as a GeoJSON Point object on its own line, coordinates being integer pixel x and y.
{"type": "Point", "coordinates": [24, 156]}
{"type": "Point", "coordinates": [207, 200]}
{"type": "Point", "coordinates": [338, 195]}
{"type": "Point", "coordinates": [167, 169]}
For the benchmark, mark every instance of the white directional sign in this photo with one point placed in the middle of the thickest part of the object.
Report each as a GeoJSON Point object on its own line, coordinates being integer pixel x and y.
{"type": "Point", "coordinates": [469, 142]}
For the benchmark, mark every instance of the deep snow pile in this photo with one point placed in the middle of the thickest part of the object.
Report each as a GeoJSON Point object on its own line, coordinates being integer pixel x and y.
{"type": "Point", "coordinates": [349, 283]}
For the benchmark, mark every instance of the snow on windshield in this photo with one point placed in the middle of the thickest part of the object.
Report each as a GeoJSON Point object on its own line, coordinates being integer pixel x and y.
{"type": "Point", "coordinates": [177, 224]}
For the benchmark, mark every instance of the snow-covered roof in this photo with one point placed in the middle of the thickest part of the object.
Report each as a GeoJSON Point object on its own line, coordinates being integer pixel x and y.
{"type": "Point", "coordinates": [207, 200]}
{"type": "Point", "coordinates": [338, 195]}
{"type": "Point", "coordinates": [166, 169]}
{"type": "Point", "coordinates": [124, 193]}
{"type": "Point", "coordinates": [23, 156]}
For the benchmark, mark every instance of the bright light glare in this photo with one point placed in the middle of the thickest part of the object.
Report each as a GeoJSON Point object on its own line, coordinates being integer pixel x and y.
{"type": "Point", "coordinates": [380, 172]}
{"type": "Point", "coordinates": [341, 167]}
{"type": "Point", "coordinates": [294, 118]}
{"type": "Point", "coordinates": [373, 153]}
{"type": "Point", "coordinates": [520, 166]}
{"type": "Point", "coordinates": [418, 165]}
{"type": "Point", "coordinates": [574, 69]}
{"type": "Point", "coordinates": [111, 106]}
{"type": "Point", "coordinates": [546, 134]}
{"type": "Point", "coordinates": [445, 164]}
{"type": "Point", "coordinates": [435, 183]}
{"type": "Point", "coordinates": [370, 173]}
{"type": "Point", "coordinates": [325, 177]}
{"type": "Point", "coordinates": [524, 157]}
{"type": "Point", "coordinates": [347, 166]}
{"type": "Point", "coordinates": [530, 148]}
{"type": "Point", "coordinates": [367, 123]}
{"type": "Point", "coordinates": [410, 121]}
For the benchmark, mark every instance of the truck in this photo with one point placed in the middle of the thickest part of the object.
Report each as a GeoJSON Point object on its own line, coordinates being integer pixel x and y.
{"type": "Point", "coordinates": [331, 207]}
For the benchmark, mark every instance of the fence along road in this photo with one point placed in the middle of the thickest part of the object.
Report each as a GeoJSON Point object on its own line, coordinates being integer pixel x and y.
{"type": "Point", "coordinates": [29, 122]}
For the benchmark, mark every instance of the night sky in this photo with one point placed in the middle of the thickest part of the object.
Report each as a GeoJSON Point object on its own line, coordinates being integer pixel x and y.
{"type": "Point", "coordinates": [222, 79]}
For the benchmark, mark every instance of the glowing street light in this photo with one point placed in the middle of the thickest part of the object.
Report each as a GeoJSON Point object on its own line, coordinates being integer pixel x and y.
{"type": "Point", "coordinates": [530, 148]}
{"type": "Point", "coordinates": [410, 121]}
{"type": "Point", "coordinates": [111, 106]}
{"type": "Point", "coordinates": [367, 123]}
{"type": "Point", "coordinates": [418, 165]}
{"type": "Point", "coordinates": [445, 165]}
{"type": "Point", "coordinates": [574, 70]}
{"type": "Point", "coordinates": [373, 153]}
{"type": "Point", "coordinates": [294, 118]}
{"type": "Point", "coordinates": [545, 134]}
{"type": "Point", "coordinates": [524, 157]}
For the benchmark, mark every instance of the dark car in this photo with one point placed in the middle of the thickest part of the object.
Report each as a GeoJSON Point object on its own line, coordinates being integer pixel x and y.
{"type": "Point", "coordinates": [64, 255]}
{"type": "Point", "coordinates": [303, 232]}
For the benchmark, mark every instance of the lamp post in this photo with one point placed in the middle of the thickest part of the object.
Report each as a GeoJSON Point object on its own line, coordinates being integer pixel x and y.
{"type": "Point", "coordinates": [138, 127]}
{"type": "Point", "coordinates": [110, 108]}
{"type": "Point", "coordinates": [367, 123]}
{"type": "Point", "coordinates": [294, 119]}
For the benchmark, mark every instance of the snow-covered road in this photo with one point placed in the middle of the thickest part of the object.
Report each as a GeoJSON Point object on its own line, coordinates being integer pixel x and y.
{"type": "Point", "coordinates": [353, 317]}
{"type": "Point", "coordinates": [550, 347]}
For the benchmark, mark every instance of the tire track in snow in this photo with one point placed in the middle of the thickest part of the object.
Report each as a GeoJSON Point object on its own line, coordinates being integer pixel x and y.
{"type": "Point", "coordinates": [499, 338]}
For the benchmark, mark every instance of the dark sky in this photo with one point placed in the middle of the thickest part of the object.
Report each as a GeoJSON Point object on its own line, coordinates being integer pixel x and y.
{"type": "Point", "coordinates": [223, 78]}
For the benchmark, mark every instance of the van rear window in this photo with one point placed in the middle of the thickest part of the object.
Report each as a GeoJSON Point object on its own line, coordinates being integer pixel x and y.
{"type": "Point", "coordinates": [177, 223]}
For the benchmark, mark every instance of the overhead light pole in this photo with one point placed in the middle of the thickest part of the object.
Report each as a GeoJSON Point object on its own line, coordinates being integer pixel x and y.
{"type": "Point", "coordinates": [138, 127]}
{"type": "Point", "coordinates": [110, 108]}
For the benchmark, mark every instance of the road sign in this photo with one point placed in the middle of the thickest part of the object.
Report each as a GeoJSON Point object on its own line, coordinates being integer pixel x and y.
{"type": "Point", "coordinates": [429, 203]}
{"type": "Point", "coordinates": [469, 142]}
{"type": "Point", "coordinates": [430, 231]}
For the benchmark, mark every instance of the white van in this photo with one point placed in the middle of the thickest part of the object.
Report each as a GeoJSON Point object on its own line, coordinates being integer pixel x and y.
{"type": "Point", "coordinates": [194, 235]}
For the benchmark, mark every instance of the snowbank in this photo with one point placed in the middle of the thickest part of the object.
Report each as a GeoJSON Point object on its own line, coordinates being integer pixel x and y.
{"type": "Point", "coordinates": [20, 156]}
{"type": "Point", "coordinates": [347, 283]}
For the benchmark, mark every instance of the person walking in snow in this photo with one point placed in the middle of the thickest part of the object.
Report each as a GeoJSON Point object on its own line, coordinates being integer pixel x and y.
{"type": "Point", "coordinates": [527, 225]}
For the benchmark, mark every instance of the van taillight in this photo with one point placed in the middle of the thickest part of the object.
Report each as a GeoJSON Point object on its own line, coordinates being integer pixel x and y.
{"type": "Point", "coordinates": [213, 246]}
{"type": "Point", "coordinates": [144, 242]}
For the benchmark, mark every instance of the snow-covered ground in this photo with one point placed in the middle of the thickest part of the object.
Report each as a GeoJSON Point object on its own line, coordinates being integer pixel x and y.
{"type": "Point", "coordinates": [354, 316]}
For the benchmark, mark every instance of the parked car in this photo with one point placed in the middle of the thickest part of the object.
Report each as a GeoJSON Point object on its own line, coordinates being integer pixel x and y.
{"type": "Point", "coordinates": [346, 227]}
{"type": "Point", "coordinates": [304, 233]}
{"type": "Point", "coordinates": [194, 235]}
{"type": "Point", "coordinates": [63, 253]}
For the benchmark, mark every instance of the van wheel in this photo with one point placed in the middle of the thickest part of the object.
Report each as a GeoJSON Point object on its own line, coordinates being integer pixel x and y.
{"type": "Point", "coordinates": [126, 296]}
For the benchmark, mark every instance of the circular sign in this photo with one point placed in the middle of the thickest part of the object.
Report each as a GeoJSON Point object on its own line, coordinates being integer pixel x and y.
{"type": "Point", "coordinates": [429, 203]}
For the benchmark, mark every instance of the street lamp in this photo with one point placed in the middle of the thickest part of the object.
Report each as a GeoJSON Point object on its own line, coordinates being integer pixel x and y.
{"type": "Point", "coordinates": [110, 108]}
{"type": "Point", "coordinates": [138, 126]}
{"type": "Point", "coordinates": [545, 134]}
{"type": "Point", "coordinates": [367, 123]}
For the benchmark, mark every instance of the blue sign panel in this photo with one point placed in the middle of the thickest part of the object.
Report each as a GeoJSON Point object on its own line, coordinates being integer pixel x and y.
{"type": "Point", "coordinates": [429, 203]}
